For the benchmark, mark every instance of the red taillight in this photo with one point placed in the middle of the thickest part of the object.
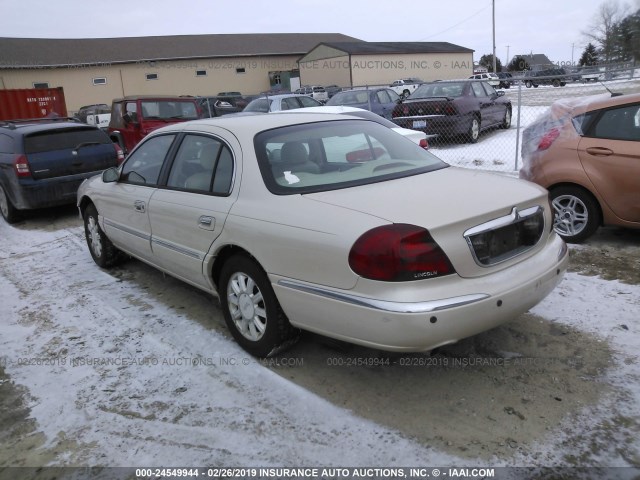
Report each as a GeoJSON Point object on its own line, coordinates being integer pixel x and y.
{"type": "Point", "coordinates": [548, 138]}
{"type": "Point", "coordinates": [424, 144]}
{"type": "Point", "coordinates": [119, 153]}
{"type": "Point", "coordinates": [397, 253]}
{"type": "Point", "coordinates": [21, 165]}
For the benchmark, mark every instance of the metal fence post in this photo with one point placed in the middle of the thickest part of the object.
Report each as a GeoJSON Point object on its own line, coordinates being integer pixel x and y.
{"type": "Point", "coordinates": [518, 125]}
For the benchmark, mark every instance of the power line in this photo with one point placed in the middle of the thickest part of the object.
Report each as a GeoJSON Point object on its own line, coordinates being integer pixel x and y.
{"type": "Point", "coordinates": [454, 26]}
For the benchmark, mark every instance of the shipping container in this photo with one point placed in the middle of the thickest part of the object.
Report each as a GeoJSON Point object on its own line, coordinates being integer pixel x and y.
{"type": "Point", "coordinates": [24, 103]}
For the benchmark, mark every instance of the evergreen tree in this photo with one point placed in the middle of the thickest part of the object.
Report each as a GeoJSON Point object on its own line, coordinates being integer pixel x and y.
{"type": "Point", "coordinates": [589, 56]}
{"type": "Point", "coordinates": [518, 64]}
{"type": "Point", "coordinates": [486, 61]}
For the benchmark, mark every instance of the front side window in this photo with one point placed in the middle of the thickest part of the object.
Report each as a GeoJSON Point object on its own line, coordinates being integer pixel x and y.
{"type": "Point", "coordinates": [308, 102]}
{"type": "Point", "coordinates": [490, 91]}
{"type": "Point", "coordinates": [477, 89]}
{"type": "Point", "coordinates": [144, 164]}
{"type": "Point", "coordinates": [325, 156]}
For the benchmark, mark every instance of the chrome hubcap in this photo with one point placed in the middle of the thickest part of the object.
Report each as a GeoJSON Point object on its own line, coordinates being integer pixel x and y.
{"type": "Point", "coordinates": [94, 236]}
{"type": "Point", "coordinates": [475, 128]}
{"type": "Point", "coordinates": [571, 215]}
{"type": "Point", "coordinates": [246, 306]}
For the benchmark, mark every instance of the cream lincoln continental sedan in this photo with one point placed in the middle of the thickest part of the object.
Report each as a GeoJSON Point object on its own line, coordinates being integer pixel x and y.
{"type": "Point", "coordinates": [327, 223]}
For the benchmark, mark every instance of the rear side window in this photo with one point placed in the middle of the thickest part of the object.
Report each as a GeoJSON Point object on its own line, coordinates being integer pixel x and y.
{"type": "Point", "coordinates": [202, 164]}
{"type": "Point", "coordinates": [619, 124]}
{"type": "Point", "coordinates": [67, 139]}
{"type": "Point", "coordinates": [6, 144]}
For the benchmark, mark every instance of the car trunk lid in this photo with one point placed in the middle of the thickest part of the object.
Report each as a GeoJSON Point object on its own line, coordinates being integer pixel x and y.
{"type": "Point", "coordinates": [450, 203]}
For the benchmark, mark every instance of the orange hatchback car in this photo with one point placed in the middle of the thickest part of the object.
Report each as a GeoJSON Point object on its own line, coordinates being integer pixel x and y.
{"type": "Point", "coordinates": [586, 152]}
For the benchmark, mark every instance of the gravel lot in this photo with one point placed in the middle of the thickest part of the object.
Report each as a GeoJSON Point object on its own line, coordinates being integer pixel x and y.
{"type": "Point", "coordinates": [90, 374]}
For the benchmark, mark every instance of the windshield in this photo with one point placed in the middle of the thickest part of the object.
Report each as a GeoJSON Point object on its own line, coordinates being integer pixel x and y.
{"type": "Point", "coordinates": [166, 110]}
{"type": "Point", "coordinates": [440, 89]}
{"type": "Point", "coordinates": [317, 157]}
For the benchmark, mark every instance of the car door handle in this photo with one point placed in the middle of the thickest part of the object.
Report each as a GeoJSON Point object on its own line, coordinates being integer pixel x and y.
{"type": "Point", "coordinates": [139, 206]}
{"type": "Point", "coordinates": [206, 222]}
{"type": "Point", "coordinates": [599, 151]}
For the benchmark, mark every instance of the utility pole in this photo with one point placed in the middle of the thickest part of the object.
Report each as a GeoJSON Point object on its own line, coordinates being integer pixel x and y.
{"type": "Point", "coordinates": [507, 62]}
{"type": "Point", "coordinates": [494, 34]}
{"type": "Point", "coordinates": [572, 45]}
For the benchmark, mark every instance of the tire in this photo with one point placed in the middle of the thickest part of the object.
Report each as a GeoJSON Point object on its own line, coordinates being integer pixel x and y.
{"type": "Point", "coordinates": [405, 93]}
{"type": "Point", "coordinates": [528, 84]}
{"type": "Point", "coordinates": [251, 310]}
{"type": "Point", "coordinates": [102, 250]}
{"type": "Point", "coordinates": [474, 130]}
{"type": "Point", "coordinates": [555, 82]}
{"type": "Point", "coordinates": [9, 212]}
{"type": "Point", "coordinates": [562, 84]}
{"type": "Point", "coordinates": [506, 121]}
{"type": "Point", "coordinates": [535, 85]}
{"type": "Point", "coordinates": [576, 213]}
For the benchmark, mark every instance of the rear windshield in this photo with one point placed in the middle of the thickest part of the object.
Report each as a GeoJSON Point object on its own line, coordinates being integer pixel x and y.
{"type": "Point", "coordinates": [67, 139]}
{"type": "Point", "coordinates": [258, 105]}
{"type": "Point", "coordinates": [440, 89]}
{"type": "Point", "coordinates": [323, 156]}
{"type": "Point", "coordinates": [161, 109]}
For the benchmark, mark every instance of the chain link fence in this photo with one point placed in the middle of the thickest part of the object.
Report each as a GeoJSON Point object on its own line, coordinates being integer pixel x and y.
{"type": "Point", "coordinates": [497, 148]}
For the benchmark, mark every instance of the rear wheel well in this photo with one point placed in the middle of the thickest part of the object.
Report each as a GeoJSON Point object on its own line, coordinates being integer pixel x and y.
{"type": "Point", "coordinates": [223, 255]}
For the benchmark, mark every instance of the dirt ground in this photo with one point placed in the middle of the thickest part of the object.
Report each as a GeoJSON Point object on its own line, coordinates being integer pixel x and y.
{"type": "Point", "coordinates": [492, 396]}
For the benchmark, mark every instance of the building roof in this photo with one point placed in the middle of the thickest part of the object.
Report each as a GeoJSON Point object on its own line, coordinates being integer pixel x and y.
{"type": "Point", "coordinates": [536, 59]}
{"type": "Point", "coordinates": [369, 48]}
{"type": "Point", "coordinates": [47, 52]}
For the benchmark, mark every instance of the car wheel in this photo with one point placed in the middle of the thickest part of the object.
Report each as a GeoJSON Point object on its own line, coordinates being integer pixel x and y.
{"type": "Point", "coordinates": [555, 82]}
{"type": "Point", "coordinates": [506, 122]}
{"type": "Point", "coordinates": [576, 213]}
{"type": "Point", "coordinates": [528, 84]}
{"type": "Point", "coordinates": [535, 85]}
{"type": "Point", "coordinates": [9, 212]}
{"type": "Point", "coordinates": [102, 250]}
{"type": "Point", "coordinates": [405, 93]}
{"type": "Point", "coordinates": [251, 309]}
{"type": "Point", "coordinates": [474, 130]}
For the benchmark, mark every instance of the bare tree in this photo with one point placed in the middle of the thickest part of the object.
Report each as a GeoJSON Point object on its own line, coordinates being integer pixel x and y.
{"type": "Point", "coordinates": [602, 28]}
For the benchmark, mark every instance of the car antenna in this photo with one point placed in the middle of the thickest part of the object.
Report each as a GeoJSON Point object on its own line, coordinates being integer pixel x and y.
{"type": "Point", "coordinates": [613, 94]}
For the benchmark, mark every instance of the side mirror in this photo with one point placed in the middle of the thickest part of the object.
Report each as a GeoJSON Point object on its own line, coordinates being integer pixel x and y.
{"type": "Point", "coordinates": [500, 93]}
{"type": "Point", "coordinates": [111, 175]}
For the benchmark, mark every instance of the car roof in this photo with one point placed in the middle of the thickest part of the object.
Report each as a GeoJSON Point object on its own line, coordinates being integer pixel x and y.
{"type": "Point", "coordinates": [154, 97]}
{"type": "Point", "coordinates": [26, 127]}
{"type": "Point", "coordinates": [578, 105]}
{"type": "Point", "coordinates": [250, 125]}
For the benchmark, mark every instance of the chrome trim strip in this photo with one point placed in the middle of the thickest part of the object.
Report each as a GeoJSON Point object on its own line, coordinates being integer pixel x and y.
{"type": "Point", "coordinates": [419, 117]}
{"type": "Point", "coordinates": [384, 305]}
{"type": "Point", "coordinates": [128, 230]}
{"type": "Point", "coordinates": [175, 248]}
{"type": "Point", "coordinates": [499, 222]}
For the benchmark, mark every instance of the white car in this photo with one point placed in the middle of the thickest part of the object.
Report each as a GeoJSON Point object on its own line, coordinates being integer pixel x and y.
{"type": "Point", "coordinates": [282, 101]}
{"type": "Point", "coordinates": [326, 223]}
{"type": "Point", "coordinates": [415, 136]}
{"type": "Point", "coordinates": [491, 78]}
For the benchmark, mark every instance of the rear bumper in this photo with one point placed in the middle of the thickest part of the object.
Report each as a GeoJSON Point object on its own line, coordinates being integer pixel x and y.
{"type": "Point", "coordinates": [477, 305]}
{"type": "Point", "coordinates": [29, 194]}
{"type": "Point", "coordinates": [436, 124]}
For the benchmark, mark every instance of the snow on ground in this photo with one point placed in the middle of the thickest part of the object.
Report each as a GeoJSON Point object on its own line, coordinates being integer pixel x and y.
{"type": "Point", "coordinates": [186, 394]}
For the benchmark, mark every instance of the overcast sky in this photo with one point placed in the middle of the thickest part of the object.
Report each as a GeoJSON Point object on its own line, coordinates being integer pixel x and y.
{"type": "Point", "coordinates": [553, 27]}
